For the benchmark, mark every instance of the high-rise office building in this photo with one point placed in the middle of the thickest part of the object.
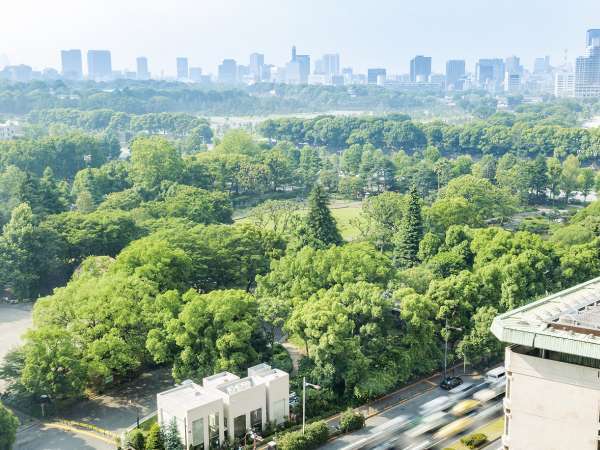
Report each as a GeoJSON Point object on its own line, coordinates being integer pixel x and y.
{"type": "Point", "coordinates": [256, 66]}
{"type": "Point", "coordinates": [293, 53]}
{"type": "Point", "coordinates": [512, 82]}
{"type": "Point", "coordinates": [564, 84]}
{"type": "Point", "coordinates": [455, 70]}
{"type": "Point", "coordinates": [303, 67]}
{"type": "Point", "coordinates": [196, 74]}
{"type": "Point", "coordinates": [420, 68]}
{"type": "Point", "coordinates": [541, 65]}
{"type": "Point", "coordinates": [331, 64]}
{"type": "Point", "coordinates": [490, 73]}
{"type": "Point", "coordinates": [72, 65]}
{"type": "Point", "coordinates": [591, 35]}
{"type": "Point", "coordinates": [99, 65]}
{"type": "Point", "coordinates": [183, 72]}
{"type": "Point", "coordinates": [373, 75]}
{"type": "Point", "coordinates": [228, 71]}
{"type": "Point", "coordinates": [512, 65]}
{"type": "Point", "coordinates": [587, 73]}
{"type": "Point", "coordinates": [142, 68]}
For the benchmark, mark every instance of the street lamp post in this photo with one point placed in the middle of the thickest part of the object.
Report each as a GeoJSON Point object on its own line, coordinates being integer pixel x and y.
{"type": "Point", "coordinates": [304, 385]}
{"type": "Point", "coordinates": [446, 328]}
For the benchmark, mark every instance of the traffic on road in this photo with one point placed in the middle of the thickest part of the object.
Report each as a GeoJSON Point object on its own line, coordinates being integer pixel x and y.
{"type": "Point", "coordinates": [441, 420]}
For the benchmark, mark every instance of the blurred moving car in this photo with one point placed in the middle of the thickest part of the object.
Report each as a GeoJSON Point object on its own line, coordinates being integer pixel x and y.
{"type": "Point", "coordinates": [435, 405]}
{"type": "Point", "coordinates": [449, 383]}
{"type": "Point", "coordinates": [452, 429]}
{"type": "Point", "coordinates": [496, 375]}
{"type": "Point", "coordinates": [465, 407]}
{"type": "Point", "coordinates": [429, 423]}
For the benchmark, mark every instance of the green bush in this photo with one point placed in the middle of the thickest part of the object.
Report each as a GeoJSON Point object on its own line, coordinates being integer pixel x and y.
{"type": "Point", "coordinates": [474, 440]}
{"type": "Point", "coordinates": [350, 421]}
{"type": "Point", "coordinates": [136, 439]}
{"type": "Point", "coordinates": [315, 435]}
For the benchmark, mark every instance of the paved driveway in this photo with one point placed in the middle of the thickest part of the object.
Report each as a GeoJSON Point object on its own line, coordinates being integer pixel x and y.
{"type": "Point", "coordinates": [14, 321]}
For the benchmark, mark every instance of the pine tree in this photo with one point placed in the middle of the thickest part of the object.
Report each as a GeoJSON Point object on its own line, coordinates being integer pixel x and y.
{"type": "Point", "coordinates": [156, 439]}
{"type": "Point", "coordinates": [407, 238]}
{"type": "Point", "coordinates": [319, 229]}
{"type": "Point", "coordinates": [172, 439]}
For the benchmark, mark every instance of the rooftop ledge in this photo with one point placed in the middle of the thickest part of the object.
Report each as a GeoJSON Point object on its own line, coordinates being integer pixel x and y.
{"type": "Point", "coordinates": [566, 322]}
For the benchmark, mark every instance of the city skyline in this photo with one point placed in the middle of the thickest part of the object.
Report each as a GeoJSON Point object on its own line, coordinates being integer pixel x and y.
{"type": "Point", "coordinates": [363, 39]}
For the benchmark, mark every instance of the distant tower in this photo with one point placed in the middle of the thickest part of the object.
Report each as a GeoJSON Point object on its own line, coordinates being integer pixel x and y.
{"type": "Point", "coordinates": [293, 53]}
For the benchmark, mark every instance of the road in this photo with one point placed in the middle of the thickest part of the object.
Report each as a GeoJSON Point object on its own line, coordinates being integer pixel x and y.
{"type": "Point", "coordinates": [408, 408]}
{"type": "Point", "coordinates": [42, 437]}
{"type": "Point", "coordinates": [14, 322]}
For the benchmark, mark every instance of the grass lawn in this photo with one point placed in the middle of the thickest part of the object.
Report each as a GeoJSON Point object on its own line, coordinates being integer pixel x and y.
{"type": "Point", "coordinates": [145, 426]}
{"type": "Point", "coordinates": [344, 212]}
{"type": "Point", "coordinates": [491, 429]}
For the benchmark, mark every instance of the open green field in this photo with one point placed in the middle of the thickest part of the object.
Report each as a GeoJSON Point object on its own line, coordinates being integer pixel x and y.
{"type": "Point", "coordinates": [343, 211]}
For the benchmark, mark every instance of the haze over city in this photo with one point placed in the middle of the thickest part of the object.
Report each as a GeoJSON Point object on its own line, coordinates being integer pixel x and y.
{"type": "Point", "coordinates": [383, 33]}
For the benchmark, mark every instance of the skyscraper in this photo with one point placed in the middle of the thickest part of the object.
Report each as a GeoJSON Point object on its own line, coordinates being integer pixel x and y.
{"type": "Point", "coordinates": [541, 65]}
{"type": "Point", "coordinates": [455, 70]}
{"type": "Point", "coordinates": [420, 68]}
{"type": "Point", "coordinates": [142, 68]}
{"type": "Point", "coordinates": [587, 73]}
{"type": "Point", "coordinates": [293, 53]}
{"type": "Point", "coordinates": [373, 75]}
{"type": "Point", "coordinates": [331, 64]}
{"type": "Point", "coordinates": [257, 63]}
{"type": "Point", "coordinates": [591, 35]}
{"type": "Point", "coordinates": [228, 71]}
{"type": "Point", "coordinates": [490, 72]}
{"type": "Point", "coordinates": [72, 66]}
{"type": "Point", "coordinates": [183, 72]}
{"type": "Point", "coordinates": [99, 65]}
{"type": "Point", "coordinates": [513, 65]}
{"type": "Point", "coordinates": [304, 67]}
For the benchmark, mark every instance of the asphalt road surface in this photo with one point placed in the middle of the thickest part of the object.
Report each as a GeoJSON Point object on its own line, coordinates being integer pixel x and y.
{"type": "Point", "coordinates": [409, 408]}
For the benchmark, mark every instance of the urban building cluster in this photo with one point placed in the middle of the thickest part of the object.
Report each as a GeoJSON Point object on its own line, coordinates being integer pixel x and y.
{"type": "Point", "coordinates": [225, 408]}
{"type": "Point", "coordinates": [492, 74]}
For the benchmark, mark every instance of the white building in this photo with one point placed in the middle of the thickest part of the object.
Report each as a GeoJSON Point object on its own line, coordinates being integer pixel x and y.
{"type": "Point", "coordinates": [225, 407]}
{"type": "Point", "coordinates": [564, 84]}
{"type": "Point", "coordinates": [553, 371]}
{"type": "Point", "coordinates": [9, 130]}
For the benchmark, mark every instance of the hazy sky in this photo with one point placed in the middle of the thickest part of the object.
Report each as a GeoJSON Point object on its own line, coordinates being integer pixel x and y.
{"type": "Point", "coordinates": [366, 33]}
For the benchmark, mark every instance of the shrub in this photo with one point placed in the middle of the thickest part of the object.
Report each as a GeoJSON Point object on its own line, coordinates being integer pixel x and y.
{"type": "Point", "coordinates": [155, 440]}
{"type": "Point", "coordinates": [474, 440]}
{"type": "Point", "coordinates": [315, 435]}
{"type": "Point", "coordinates": [136, 439]}
{"type": "Point", "coordinates": [350, 421]}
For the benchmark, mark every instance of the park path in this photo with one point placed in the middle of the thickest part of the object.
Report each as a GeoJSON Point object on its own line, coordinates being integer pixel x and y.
{"type": "Point", "coordinates": [296, 354]}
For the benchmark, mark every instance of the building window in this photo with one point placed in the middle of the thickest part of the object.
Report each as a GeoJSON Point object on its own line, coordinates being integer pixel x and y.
{"type": "Point", "coordinates": [256, 419]}
{"type": "Point", "coordinates": [213, 430]}
{"type": "Point", "coordinates": [278, 411]}
{"type": "Point", "coordinates": [198, 432]}
{"type": "Point", "coordinates": [239, 426]}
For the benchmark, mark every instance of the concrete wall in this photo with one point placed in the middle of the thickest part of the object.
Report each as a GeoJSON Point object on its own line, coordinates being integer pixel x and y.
{"type": "Point", "coordinates": [278, 389]}
{"type": "Point", "coordinates": [243, 402]}
{"type": "Point", "coordinates": [550, 405]}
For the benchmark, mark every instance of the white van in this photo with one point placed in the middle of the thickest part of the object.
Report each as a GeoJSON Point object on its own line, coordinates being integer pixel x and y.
{"type": "Point", "coordinates": [496, 375]}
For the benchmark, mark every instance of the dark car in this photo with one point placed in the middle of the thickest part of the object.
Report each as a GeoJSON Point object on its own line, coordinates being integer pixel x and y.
{"type": "Point", "coordinates": [450, 383]}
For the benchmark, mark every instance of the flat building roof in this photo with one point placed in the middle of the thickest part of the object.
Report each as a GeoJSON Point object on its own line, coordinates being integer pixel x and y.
{"type": "Point", "coordinates": [566, 322]}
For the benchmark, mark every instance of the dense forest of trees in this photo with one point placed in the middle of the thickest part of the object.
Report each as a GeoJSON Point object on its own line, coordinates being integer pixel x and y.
{"type": "Point", "coordinates": [160, 96]}
{"type": "Point", "coordinates": [139, 263]}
